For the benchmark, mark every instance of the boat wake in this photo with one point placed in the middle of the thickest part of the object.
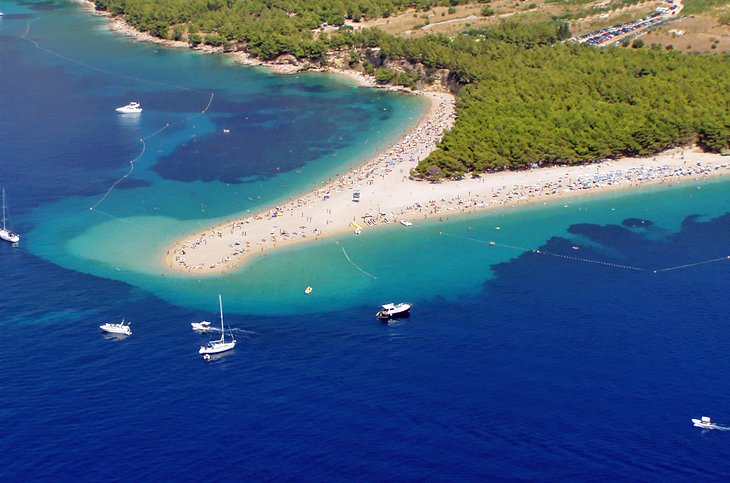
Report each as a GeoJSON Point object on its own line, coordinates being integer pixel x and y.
{"type": "Point", "coordinates": [715, 427]}
{"type": "Point", "coordinates": [706, 424]}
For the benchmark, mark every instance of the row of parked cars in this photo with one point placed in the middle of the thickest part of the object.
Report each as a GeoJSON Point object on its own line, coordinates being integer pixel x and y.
{"type": "Point", "coordinates": [607, 34]}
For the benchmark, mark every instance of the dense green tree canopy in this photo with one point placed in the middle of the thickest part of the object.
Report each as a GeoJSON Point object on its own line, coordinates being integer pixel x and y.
{"type": "Point", "coordinates": [567, 104]}
{"type": "Point", "coordinates": [524, 98]}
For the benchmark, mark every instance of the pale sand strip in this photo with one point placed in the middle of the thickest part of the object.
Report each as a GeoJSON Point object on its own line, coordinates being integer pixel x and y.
{"type": "Point", "coordinates": [324, 212]}
{"type": "Point", "coordinates": [387, 195]}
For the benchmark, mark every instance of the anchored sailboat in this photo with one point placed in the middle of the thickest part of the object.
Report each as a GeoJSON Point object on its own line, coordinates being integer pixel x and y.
{"type": "Point", "coordinates": [6, 234]}
{"type": "Point", "coordinates": [218, 346]}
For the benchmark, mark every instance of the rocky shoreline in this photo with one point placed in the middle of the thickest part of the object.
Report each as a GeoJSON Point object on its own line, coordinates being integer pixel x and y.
{"type": "Point", "coordinates": [284, 64]}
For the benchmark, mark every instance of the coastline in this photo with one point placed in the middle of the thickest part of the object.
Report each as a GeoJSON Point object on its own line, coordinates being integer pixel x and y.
{"type": "Point", "coordinates": [119, 26]}
{"type": "Point", "coordinates": [386, 196]}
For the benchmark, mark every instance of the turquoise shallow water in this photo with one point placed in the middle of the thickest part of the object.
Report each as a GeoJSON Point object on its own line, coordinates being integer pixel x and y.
{"type": "Point", "coordinates": [433, 259]}
{"type": "Point", "coordinates": [285, 135]}
{"type": "Point", "coordinates": [514, 365]}
{"type": "Point", "coordinates": [264, 139]}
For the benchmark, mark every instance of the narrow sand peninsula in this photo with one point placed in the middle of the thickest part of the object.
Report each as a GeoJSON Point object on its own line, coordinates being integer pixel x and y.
{"type": "Point", "coordinates": [380, 192]}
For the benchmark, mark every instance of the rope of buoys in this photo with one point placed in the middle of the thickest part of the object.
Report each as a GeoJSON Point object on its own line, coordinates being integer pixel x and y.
{"type": "Point", "coordinates": [123, 220]}
{"type": "Point", "coordinates": [37, 44]}
{"type": "Point", "coordinates": [131, 167]}
{"type": "Point", "coordinates": [586, 260]}
{"type": "Point", "coordinates": [688, 265]}
{"type": "Point", "coordinates": [94, 207]}
{"type": "Point", "coordinates": [353, 263]}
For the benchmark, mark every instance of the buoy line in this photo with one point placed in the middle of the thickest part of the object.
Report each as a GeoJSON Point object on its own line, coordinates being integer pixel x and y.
{"type": "Point", "coordinates": [37, 44]}
{"type": "Point", "coordinates": [688, 265]}
{"type": "Point", "coordinates": [353, 263]}
{"type": "Point", "coordinates": [124, 176]}
{"type": "Point", "coordinates": [143, 140]}
{"type": "Point", "coordinates": [123, 220]}
{"type": "Point", "coordinates": [131, 166]}
{"type": "Point", "coordinates": [492, 243]}
{"type": "Point", "coordinates": [144, 149]}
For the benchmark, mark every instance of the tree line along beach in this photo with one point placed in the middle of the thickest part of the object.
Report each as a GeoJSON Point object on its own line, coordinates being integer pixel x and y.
{"type": "Point", "coordinates": [387, 194]}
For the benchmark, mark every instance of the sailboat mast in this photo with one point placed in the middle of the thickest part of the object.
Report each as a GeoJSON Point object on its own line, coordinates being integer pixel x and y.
{"type": "Point", "coordinates": [3, 209]}
{"type": "Point", "coordinates": [220, 303]}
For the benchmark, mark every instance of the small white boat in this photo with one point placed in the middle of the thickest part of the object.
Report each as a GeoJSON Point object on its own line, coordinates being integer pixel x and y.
{"type": "Point", "coordinates": [6, 234]}
{"type": "Point", "coordinates": [392, 311]}
{"type": "Point", "coordinates": [119, 328]}
{"type": "Point", "coordinates": [131, 108]}
{"type": "Point", "coordinates": [406, 223]}
{"type": "Point", "coordinates": [705, 423]}
{"type": "Point", "coordinates": [218, 346]}
{"type": "Point", "coordinates": [203, 326]}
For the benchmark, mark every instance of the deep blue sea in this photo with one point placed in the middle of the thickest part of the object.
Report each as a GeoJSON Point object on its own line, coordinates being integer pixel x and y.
{"type": "Point", "coordinates": [563, 351]}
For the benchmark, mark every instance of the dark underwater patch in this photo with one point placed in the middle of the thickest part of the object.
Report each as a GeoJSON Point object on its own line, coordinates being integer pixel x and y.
{"type": "Point", "coordinates": [621, 250]}
{"type": "Point", "coordinates": [253, 141]}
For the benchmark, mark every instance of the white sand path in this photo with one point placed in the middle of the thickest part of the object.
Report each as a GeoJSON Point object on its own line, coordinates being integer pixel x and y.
{"type": "Point", "coordinates": [387, 195]}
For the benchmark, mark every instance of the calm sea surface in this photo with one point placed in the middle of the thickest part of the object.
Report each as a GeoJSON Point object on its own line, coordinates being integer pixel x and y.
{"type": "Point", "coordinates": [565, 350]}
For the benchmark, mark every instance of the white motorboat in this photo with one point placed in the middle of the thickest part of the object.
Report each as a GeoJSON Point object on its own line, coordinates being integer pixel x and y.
{"type": "Point", "coordinates": [406, 223]}
{"type": "Point", "coordinates": [218, 346]}
{"type": "Point", "coordinates": [392, 311]}
{"type": "Point", "coordinates": [131, 108]}
{"type": "Point", "coordinates": [119, 328]}
{"type": "Point", "coordinates": [6, 234]}
{"type": "Point", "coordinates": [705, 423]}
{"type": "Point", "coordinates": [203, 326]}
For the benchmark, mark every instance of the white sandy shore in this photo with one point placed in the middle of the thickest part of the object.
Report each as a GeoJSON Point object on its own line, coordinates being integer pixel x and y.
{"type": "Point", "coordinates": [382, 183]}
{"type": "Point", "coordinates": [387, 195]}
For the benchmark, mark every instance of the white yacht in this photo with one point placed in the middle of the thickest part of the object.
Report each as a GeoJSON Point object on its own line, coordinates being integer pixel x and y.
{"type": "Point", "coordinates": [392, 311]}
{"type": "Point", "coordinates": [217, 346]}
{"type": "Point", "coordinates": [119, 328]}
{"type": "Point", "coordinates": [406, 223]}
{"type": "Point", "coordinates": [705, 423]}
{"type": "Point", "coordinates": [6, 234]}
{"type": "Point", "coordinates": [203, 326]}
{"type": "Point", "coordinates": [131, 108]}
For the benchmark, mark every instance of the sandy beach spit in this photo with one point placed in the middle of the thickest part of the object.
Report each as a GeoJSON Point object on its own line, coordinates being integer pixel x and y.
{"type": "Point", "coordinates": [380, 191]}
